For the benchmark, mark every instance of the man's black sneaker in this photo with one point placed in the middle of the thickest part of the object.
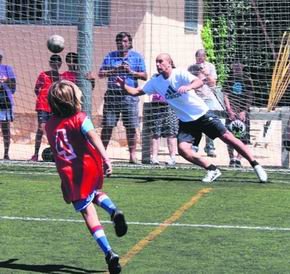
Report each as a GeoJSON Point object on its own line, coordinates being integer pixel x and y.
{"type": "Point", "coordinates": [232, 163]}
{"type": "Point", "coordinates": [120, 224]}
{"type": "Point", "coordinates": [112, 260]}
{"type": "Point", "coordinates": [238, 164]}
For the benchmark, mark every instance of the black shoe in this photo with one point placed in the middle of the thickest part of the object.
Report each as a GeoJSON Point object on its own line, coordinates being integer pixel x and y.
{"type": "Point", "coordinates": [112, 260]}
{"type": "Point", "coordinates": [6, 157]}
{"type": "Point", "coordinates": [232, 163]}
{"type": "Point", "coordinates": [238, 164]}
{"type": "Point", "coordinates": [120, 224]}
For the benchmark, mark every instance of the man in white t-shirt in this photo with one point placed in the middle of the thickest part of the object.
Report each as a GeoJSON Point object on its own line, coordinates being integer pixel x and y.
{"type": "Point", "coordinates": [177, 87]}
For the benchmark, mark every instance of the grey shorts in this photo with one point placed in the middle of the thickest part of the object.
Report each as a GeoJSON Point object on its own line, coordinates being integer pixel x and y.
{"type": "Point", "coordinates": [6, 115]}
{"type": "Point", "coordinates": [209, 124]}
{"type": "Point", "coordinates": [164, 122]}
{"type": "Point", "coordinates": [125, 108]}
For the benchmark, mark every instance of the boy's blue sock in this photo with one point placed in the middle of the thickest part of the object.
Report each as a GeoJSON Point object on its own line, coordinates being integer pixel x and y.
{"type": "Point", "coordinates": [105, 202]}
{"type": "Point", "coordinates": [101, 238]}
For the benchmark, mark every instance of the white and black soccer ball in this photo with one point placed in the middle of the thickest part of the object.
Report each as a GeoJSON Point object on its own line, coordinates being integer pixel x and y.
{"type": "Point", "coordinates": [55, 43]}
{"type": "Point", "coordinates": [238, 128]}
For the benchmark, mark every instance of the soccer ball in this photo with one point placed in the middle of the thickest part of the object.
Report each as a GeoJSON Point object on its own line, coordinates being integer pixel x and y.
{"type": "Point", "coordinates": [47, 155]}
{"type": "Point", "coordinates": [55, 43]}
{"type": "Point", "coordinates": [238, 128]}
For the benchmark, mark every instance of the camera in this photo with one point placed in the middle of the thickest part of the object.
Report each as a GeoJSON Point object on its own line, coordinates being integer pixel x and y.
{"type": "Point", "coordinates": [196, 69]}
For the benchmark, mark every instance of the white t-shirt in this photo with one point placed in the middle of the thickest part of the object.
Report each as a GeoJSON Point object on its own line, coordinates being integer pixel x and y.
{"type": "Point", "coordinates": [188, 106]}
{"type": "Point", "coordinates": [205, 92]}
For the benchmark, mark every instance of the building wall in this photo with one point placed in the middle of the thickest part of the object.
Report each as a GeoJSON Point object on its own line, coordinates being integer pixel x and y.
{"type": "Point", "coordinates": [156, 26]}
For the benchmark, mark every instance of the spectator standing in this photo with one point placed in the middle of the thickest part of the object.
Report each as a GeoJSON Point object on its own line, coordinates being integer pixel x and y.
{"type": "Point", "coordinates": [177, 87]}
{"type": "Point", "coordinates": [238, 96]}
{"type": "Point", "coordinates": [164, 124]}
{"type": "Point", "coordinates": [43, 83]}
{"type": "Point", "coordinates": [72, 62]}
{"type": "Point", "coordinates": [7, 89]}
{"type": "Point", "coordinates": [129, 65]}
{"type": "Point", "coordinates": [80, 158]}
{"type": "Point", "coordinates": [207, 72]}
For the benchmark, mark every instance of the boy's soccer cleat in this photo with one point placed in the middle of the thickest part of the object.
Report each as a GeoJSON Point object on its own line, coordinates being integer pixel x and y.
{"type": "Point", "coordinates": [112, 260]}
{"type": "Point", "coordinates": [261, 173]}
{"type": "Point", "coordinates": [211, 176]}
{"type": "Point", "coordinates": [120, 224]}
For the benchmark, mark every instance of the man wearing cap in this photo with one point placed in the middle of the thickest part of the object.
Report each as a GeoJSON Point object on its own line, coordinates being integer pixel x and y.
{"type": "Point", "coordinates": [7, 89]}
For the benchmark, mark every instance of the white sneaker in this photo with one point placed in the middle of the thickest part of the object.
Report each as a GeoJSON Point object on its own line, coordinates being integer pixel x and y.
{"type": "Point", "coordinates": [261, 173]}
{"type": "Point", "coordinates": [154, 161]}
{"type": "Point", "coordinates": [211, 176]}
{"type": "Point", "coordinates": [170, 162]}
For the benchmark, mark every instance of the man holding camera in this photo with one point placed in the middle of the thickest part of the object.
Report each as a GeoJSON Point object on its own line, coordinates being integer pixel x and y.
{"type": "Point", "coordinates": [206, 71]}
{"type": "Point", "coordinates": [130, 66]}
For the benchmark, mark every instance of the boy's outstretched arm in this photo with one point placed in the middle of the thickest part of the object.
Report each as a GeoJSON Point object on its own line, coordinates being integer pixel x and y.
{"type": "Point", "coordinates": [96, 141]}
{"type": "Point", "coordinates": [130, 90]}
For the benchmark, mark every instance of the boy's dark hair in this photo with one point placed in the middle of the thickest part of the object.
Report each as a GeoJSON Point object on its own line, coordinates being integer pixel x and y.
{"type": "Point", "coordinates": [55, 59]}
{"type": "Point", "coordinates": [72, 58]}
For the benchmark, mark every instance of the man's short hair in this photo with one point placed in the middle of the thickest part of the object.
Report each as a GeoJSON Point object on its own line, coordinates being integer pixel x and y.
{"type": "Point", "coordinates": [200, 52]}
{"type": "Point", "coordinates": [121, 35]}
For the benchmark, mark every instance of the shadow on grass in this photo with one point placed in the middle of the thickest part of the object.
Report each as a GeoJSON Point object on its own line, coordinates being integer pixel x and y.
{"type": "Point", "coordinates": [45, 268]}
{"type": "Point", "coordinates": [146, 179]}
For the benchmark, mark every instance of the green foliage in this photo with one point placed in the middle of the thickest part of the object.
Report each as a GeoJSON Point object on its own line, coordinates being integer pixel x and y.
{"type": "Point", "coordinates": [222, 68]}
{"type": "Point", "coordinates": [239, 32]}
{"type": "Point", "coordinates": [207, 40]}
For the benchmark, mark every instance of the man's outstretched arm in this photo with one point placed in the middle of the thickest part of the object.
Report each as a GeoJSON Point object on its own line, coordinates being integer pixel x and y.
{"type": "Point", "coordinates": [130, 90]}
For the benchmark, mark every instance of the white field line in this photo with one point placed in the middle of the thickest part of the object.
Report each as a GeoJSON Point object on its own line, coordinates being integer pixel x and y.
{"type": "Point", "coordinates": [265, 228]}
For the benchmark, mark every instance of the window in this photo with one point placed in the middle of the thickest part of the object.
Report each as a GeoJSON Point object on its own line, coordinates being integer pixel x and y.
{"type": "Point", "coordinates": [191, 15]}
{"type": "Point", "coordinates": [102, 12]}
{"type": "Point", "coordinates": [24, 10]}
{"type": "Point", "coordinates": [53, 12]}
{"type": "Point", "coordinates": [63, 12]}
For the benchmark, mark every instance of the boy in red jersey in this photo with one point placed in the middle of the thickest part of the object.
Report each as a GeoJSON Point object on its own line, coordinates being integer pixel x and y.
{"type": "Point", "coordinates": [80, 158]}
{"type": "Point", "coordinates": [42, 85]}
{"type": "Point", "coordinates": [72, 61]}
